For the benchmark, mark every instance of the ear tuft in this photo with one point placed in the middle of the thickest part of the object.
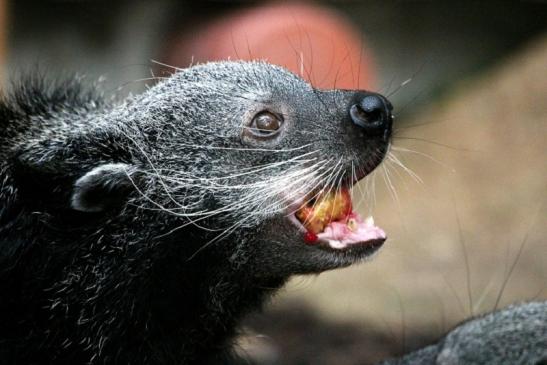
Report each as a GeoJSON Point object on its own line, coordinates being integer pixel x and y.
{"type": "Point", "coordinates": [101, 188]}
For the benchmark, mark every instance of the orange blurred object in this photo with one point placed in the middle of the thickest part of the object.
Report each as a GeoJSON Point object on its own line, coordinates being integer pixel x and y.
{"type": "Point", "coordinates": [314, 42]}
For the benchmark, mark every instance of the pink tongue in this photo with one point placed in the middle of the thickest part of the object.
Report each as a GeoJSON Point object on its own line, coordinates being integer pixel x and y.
{"type": "Point", "coordinates": [353, 230]}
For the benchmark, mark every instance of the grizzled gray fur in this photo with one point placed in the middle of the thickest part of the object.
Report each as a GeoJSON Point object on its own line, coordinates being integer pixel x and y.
{"type": "Point", "coordinates": [515, 335]}
{"type": "Point", "coordinates": [141, 232]}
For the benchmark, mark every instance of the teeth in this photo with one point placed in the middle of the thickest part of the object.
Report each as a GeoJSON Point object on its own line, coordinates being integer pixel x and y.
{"type": "Point", "coordinates": [369, 221]}
{"type": "Point", "coordinates": [352, 224]}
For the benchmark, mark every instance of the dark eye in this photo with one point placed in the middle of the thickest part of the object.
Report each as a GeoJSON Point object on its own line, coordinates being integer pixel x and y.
{"type": "Point", "coordinates": [266, 124]}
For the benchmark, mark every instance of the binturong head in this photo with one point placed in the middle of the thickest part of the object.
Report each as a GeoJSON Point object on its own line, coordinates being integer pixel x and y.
{"type": "Point", "coordinates": [249, 158]}
{"type": "Point", "coordinates": [240, 158]}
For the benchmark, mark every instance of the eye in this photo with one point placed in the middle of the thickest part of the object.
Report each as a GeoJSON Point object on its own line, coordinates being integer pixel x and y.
{"type": "Point", "coordinates": [266, 124]}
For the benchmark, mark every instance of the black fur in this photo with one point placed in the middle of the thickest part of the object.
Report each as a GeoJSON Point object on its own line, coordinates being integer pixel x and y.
{"type": "Point", "coordinates": [107, 279]}
{"type": "Point", "coordinates": [40, 246]}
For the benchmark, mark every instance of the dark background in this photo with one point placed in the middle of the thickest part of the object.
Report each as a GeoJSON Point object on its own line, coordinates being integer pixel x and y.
{"type": "Point", "coordinates": [435, 42]}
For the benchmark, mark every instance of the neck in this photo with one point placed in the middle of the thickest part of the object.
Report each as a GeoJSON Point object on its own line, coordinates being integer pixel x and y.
{"type": "Point", "coordinates": [149, 303]}
{"type": "Point", "coordinates": [199, 319]}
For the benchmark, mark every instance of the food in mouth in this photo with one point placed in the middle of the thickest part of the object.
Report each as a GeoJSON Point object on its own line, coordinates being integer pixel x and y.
{"type": "Point", "coordinates": [329, 217]}
{"type": "Point", "coordinates": [318, 212]}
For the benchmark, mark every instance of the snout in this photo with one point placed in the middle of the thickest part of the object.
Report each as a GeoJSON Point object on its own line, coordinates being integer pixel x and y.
{"type": "Point", "coordinates": [371, 114]}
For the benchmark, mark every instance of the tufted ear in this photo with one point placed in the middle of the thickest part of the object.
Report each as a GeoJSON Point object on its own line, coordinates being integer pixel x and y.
{"type": "Point", "coordinates": [103, 187]}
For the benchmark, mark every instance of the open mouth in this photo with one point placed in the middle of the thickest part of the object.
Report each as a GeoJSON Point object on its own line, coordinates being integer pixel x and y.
{"type": "Point", "coordinates": [327, 218]}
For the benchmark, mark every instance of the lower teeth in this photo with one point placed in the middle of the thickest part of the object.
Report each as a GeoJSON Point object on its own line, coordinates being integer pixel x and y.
{"type": "Point", "coordinates": [352, 224]}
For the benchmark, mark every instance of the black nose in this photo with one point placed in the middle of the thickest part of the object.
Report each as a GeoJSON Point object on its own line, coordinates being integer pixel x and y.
{"type": "Point", "coordinates": [372, 113]}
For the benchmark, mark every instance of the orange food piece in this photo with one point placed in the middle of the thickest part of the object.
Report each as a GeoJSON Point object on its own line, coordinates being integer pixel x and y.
{"type": "Point", "coordinates": [333, 206]}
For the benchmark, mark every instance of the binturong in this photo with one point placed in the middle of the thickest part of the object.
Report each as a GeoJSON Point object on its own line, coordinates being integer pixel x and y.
{"type": "Point", "coordinates": [142, 232]}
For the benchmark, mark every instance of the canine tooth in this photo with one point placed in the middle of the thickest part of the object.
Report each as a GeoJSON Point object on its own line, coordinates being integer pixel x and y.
{"type": "Point", "coordinates": [352, 224]}
{"type": "Point", "coordinates": [369, 221]}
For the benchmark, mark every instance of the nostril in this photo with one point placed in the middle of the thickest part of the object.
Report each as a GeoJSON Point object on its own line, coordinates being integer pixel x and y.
{"type": "Point", "coordinates": [371, 112]}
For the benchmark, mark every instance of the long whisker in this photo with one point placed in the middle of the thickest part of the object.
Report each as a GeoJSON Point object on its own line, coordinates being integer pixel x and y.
{"type": "Point", "coordinates": [251, 172]}
{"type": "Point", "coordinates": [401, 149]}
{"type": "Point", "coordinates": [325, 187]}
{"type": "Point", "coordinates": [389, 184]}
{"type": "Point", "coordinates": [207, 147]}
{"type": "Point", "coordinates": [166, 65]}
{"type": "Point", "coordinates": [436, 143]}
{"type": "Point", "coordinates": [238, 205]}
{"type": "Point", "coordinates": [393, 158]}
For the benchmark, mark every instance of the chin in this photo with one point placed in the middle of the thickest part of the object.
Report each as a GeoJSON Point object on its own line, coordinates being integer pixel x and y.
{"type": "Point", "coordinates": [285, 249]}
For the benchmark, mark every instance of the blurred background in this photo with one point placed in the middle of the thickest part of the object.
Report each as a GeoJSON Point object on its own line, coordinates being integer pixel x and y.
{"type": "Point", "coordinates": [466, 221]}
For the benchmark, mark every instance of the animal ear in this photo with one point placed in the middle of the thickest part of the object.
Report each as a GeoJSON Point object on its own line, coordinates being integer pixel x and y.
{"type": "Point", "coordinates": [103, 187]}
